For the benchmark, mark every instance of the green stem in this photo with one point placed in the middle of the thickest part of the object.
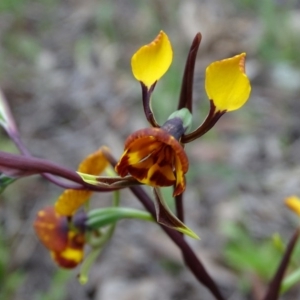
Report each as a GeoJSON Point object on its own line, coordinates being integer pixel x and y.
{"type": "Point", "coordinates": [105, 216]}
{"type": "Point", "coordinates": [116, 198]}
{"type": "Point", "coordinates": [86, 265]}
{"type": "Point", "coordinates": [290, 281]}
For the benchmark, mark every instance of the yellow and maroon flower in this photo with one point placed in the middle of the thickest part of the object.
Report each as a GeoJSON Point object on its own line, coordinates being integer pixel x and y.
{"type": "Point", "coordinates": [65, 242]}
{"type": "Point", "coordinates": [154, 157]}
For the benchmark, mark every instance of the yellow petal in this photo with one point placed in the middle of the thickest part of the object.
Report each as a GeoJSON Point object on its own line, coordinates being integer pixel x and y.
{"type": "Point", "coordinates": [293, 203]}
{"type": "Point", "coordinates": [73, 254]}
{"type": "Point", "coordinates": [226, 83]}
{"type": "Point", "coordinates": [94, 164]}
{"type": "Point", "coordinates": [71, 200]}
{"type": "Point", "coordinates": [152, 61]}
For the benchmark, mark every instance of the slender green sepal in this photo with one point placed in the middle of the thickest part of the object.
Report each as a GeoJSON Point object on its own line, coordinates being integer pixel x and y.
{"type": "Point", "coordinates": [166, 217]}
{"type": "Point", "coordinates": [90, 179]}
{"type": "Point", "coordinates": [108, 181]}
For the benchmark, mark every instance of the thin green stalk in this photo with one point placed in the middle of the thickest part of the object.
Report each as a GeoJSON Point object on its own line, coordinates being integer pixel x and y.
{"type": "Point", "coordinates": [290, 281]}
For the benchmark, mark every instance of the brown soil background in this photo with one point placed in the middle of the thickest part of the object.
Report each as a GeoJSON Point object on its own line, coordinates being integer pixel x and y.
{"type": "Point", "coordinates": [65, 70]}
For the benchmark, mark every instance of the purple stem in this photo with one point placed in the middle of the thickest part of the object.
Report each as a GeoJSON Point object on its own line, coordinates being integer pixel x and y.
{"type": "Point", "coordinates": [274, 287]}
{"type": "Point", "coordinates": [210, 121]}
{"type": "Point", "coordinates": [146, 95]}
{"type": "Point", "coordinates": [190, 258]}
{"type": "Point", "coordinates": [30, 165]}
{"type": "Point", "coordinates": [186, 94]}
{"type": "Point", "coordinates": [179, 207]}
{"type": "Point", "coordinates": [20, 145]}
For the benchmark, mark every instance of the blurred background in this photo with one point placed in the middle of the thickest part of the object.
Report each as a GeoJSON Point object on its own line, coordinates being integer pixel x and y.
{"type": "Point", "coordinates": [65, 70]}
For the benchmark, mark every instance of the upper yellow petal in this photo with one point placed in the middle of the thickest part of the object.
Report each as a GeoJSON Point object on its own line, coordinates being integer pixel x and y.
{"type": "Point", "coordinates": [293, 203]}
{"type": "Point", "coordinates": [71, 200]}
{"type": "Point", "coordinates": [152, 61]}
{"type": "Point", "coordinates": [226, 83]}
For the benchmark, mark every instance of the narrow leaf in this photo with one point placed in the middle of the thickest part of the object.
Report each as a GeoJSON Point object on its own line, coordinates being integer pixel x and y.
{"type": "Point", "coordinates": [166, 217]}
{"type": "Point", "coordinates": [290, 281]}
{"type": "Point", "coordinates": [274, 287]}
{"type": "Point", "coordinates": [5, 181]}
{"type": "Point", "coordinates": [108, 181]}
{"type": "Point", "coordinates": [105, 216]}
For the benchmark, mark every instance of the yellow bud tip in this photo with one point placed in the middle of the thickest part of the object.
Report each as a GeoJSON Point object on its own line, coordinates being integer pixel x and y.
{"type": "Point", "coordinates": [83, 279]}
{"type": "Point", "coordinates": [293, 203]}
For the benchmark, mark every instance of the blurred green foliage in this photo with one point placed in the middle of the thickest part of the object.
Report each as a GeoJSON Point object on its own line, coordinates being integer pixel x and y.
{"type": "Point", "coordinates": [9, 279]}
{"type": "Point", "coordinates": [253, 258]}
{"type": "Point", "coordinates": [279, 40]}
{"type": "Point", "coordinates": [15, 6]}
{"type": "Point", "coordinates": [58, 288]}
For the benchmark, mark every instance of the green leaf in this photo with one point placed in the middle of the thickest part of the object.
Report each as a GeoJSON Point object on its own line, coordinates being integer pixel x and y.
{"type": "Point", "coordinates": [98, 218]}
{"type": "Point", "coordinates": [290, 281]}
{"type": "Point", "coordinates": [166, 217]}
{"type": "Point", "coordinates": [5, 181]}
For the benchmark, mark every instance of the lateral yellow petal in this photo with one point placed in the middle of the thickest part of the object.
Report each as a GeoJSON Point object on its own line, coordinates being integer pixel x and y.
{"type": "Point", "coordinates": [152, 61]}
{"type": "Point", "coordinates": [293, 203]}
{"type": "Point", "coordinates": [226, 83]}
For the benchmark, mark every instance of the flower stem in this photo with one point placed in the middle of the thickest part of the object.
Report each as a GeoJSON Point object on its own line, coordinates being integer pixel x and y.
{"type": "Point", "coordinates": [179, 207]}
{"type": "Point", "coordinates": [190, 258]}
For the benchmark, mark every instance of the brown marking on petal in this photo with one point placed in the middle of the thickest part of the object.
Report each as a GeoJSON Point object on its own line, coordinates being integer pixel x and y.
{"type": "Point", "coordinates": [122, 166]}
{"type": "Point", "coordinates": [158, 152]}
{"type": "Point", "coordinates": [72, 255]}
{"type": "Point", "coordinates": [142, 133]}
{"type": "Point", "coordinates": [138, 173]}
{"type": "Point", "coordinates": [242, 64]}
{"type": "Point", "coordinates": [67, 262]}
{"type": "Point", "coordinates": [51, 229]}
{"type": "Point", "coordinates": [160, 179]}
{"type": "Point", "coordinates": [156, 40]}
{"type": "Point", "coordinates": [163, 137]}
{"type": "Point", "coordinates": [63, 262]}
{"type": "Point", "coordinates": [76, 240]}
{"type": "Point", "coordinates": [179, 188]}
